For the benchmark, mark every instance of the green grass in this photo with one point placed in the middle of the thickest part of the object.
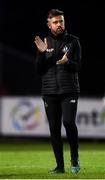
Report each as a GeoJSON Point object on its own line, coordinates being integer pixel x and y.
{"type": "Point", "coordinates": [33, 161]}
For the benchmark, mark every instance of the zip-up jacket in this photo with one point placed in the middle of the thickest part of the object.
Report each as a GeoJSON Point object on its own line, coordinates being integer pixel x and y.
{"type": "Point", "coordinates": [60, 78]}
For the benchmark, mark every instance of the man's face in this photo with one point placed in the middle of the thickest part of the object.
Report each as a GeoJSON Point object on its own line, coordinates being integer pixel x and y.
{"type": "Point", "coordinates": [56, 24]}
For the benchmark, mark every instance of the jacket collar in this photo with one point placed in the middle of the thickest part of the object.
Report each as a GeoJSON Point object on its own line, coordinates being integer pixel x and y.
{"type": "Point", "coordinates": [60, 36]}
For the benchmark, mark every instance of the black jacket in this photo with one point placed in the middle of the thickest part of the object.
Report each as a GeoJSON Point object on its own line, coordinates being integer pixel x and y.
{"type": "Point", "coordinates": [60, 79]}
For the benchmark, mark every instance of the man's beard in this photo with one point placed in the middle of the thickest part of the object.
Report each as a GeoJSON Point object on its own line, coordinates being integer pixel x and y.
{"type": "Point", "coordinates": [59, 30]}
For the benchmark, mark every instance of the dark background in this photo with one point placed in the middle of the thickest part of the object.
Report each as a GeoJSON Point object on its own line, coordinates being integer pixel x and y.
{"type": "Point", "coordinates": [21, 21]}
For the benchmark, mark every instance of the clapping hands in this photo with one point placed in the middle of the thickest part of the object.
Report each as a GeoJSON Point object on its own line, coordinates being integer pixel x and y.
{"type": "Point", "coordinates": [41, 45]}
{"type": "Point", "coordinates": [63, 60]}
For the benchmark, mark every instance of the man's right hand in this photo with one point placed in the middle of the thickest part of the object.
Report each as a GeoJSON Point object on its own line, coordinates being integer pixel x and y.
{"type": "Point", "coordinates": [41, 45]}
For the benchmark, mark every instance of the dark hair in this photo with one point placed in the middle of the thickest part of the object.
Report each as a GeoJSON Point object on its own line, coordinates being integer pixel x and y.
{"type": "Point", "coordinates": [54, 12]}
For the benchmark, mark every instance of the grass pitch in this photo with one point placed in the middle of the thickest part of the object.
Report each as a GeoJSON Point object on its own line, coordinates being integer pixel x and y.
{"type": "Point", "coordinates": [30, 160]}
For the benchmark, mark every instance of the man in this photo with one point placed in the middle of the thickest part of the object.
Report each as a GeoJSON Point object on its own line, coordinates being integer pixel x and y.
{"type": "Point", "coordinates": [58, 62]}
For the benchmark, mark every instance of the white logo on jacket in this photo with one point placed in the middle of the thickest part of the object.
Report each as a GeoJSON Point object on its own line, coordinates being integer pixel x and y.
{"type": "Point", "coordinates": [72, 101]}
{"type": "Point", "coordinates": [65, 49]}
{"type": "Point", "coordinates": [50, 50]}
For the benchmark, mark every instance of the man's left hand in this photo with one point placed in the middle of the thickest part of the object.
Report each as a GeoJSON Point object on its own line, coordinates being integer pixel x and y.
{"type": "Point", "coordinates": [63, 60]}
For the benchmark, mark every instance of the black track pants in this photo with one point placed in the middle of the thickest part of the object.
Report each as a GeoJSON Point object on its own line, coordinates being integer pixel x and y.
{"type": "Point", "coordinates": [58, 106]}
